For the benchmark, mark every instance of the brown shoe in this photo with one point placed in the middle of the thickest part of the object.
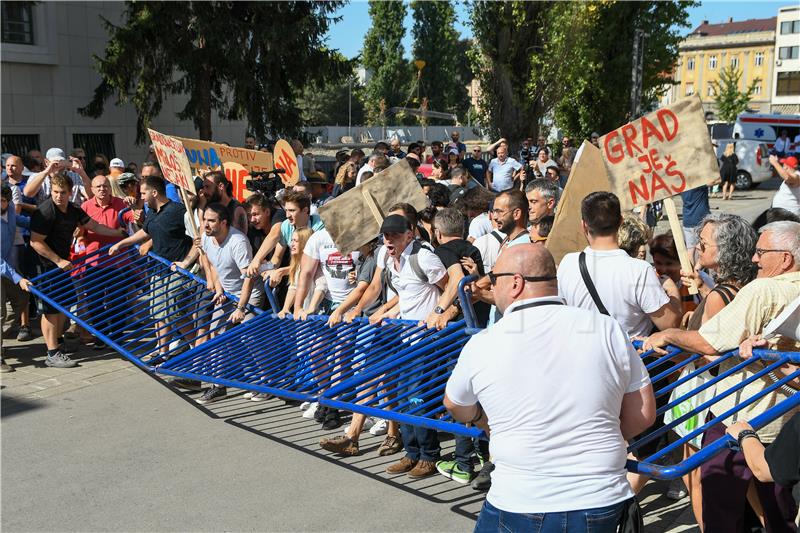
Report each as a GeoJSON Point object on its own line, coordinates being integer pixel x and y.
{"type": "Point", "coordinates": [423, 469]}
{"type": "Point", "coordinates": [402, 466]}
{"type": "Point", "coordinates": [342, 445]}
{"type": "Point", "coordinates": [391, 445]}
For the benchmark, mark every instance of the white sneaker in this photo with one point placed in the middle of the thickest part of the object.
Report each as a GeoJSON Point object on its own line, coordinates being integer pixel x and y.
{"type": "Point", "coordinates": [309, 413]}
{"type": "Point", "coordinates": [381, 427]}
{"type": "Point", "coordinates": [305, 405]}
{"type": "Point", "coordinates": [261, 397]}
{"type": "Point", "coordinates": [248, 395]}
{"type": "Point", "coordinates": [368, 423]}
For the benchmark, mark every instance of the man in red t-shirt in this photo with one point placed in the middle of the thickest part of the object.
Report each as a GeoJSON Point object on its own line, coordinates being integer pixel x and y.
{"type": "Point", "coordinates": [105, 209]}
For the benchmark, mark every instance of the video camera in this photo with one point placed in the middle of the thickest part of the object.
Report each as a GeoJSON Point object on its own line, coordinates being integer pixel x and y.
{"type": "Point", "coordinates": [267, 183]}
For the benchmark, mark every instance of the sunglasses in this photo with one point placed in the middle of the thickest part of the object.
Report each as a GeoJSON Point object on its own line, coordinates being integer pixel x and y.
{"type": "Point", "coordinates": [533, 279]}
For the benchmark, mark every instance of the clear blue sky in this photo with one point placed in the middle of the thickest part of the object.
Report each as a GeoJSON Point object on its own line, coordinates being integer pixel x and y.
{"type": "Point", "coordinates": [348, 34]}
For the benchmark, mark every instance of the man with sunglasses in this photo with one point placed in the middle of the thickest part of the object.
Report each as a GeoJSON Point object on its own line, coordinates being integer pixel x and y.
{"type": "Point", "coordinates": [777, 258]}
{"type": "Point", "coordinates": [546, 410]}
{"type": "Point", "coordinates": [476, 166]}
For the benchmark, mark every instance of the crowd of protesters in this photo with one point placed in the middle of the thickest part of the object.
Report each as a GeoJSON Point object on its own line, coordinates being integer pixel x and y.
{"type": "Point", "coordinates": [491, 219]}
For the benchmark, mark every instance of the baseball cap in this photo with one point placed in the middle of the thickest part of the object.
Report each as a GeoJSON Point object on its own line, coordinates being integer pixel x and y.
{"type": "Point", "coordinates": [126, 177]}
{"type": "Point", "coordinates": [55, 154]}
{"type": "Point", "coordinates": [116, 163]}
{"type": "Point", "coordinates": [395, 224]}
{"type": "Point", "coordinates": [791, 161]}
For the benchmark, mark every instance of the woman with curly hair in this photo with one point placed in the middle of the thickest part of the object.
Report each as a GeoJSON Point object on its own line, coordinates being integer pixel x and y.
{"type": "Point", "coordinates": [725, 247]}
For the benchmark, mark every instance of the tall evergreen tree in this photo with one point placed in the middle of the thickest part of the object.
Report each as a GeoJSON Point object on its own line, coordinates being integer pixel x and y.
{"type": "Point", "coordinates": [436, 42]}
{"type": "Point", "coordinates": [382, 56]}
{"type": "Point", "coordinates": [241, 59]}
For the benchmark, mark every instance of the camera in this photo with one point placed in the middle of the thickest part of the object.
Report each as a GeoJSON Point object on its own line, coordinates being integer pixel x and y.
{"type": "Point", "coordinates": [267, 183]}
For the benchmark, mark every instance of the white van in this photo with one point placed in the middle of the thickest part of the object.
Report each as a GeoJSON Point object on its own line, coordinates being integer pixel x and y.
{"type": "Point", "coordinates": [753, 167]}
{"type": "Point", "coordinates": [766, 128]}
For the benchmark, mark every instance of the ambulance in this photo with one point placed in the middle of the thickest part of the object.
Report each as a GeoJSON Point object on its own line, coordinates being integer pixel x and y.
{"type": "Point", "coordinates": [767, 128]}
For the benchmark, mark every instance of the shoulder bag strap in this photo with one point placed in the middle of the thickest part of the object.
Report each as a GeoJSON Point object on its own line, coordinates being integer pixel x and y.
{"type": "Point", "coordinates": [587, 280]}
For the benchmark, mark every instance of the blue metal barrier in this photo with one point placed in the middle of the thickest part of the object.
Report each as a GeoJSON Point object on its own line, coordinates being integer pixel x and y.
{"type": "Point", "coordinates": [396, 371]}
{"type": "Point", "coordinates": [116, 299]}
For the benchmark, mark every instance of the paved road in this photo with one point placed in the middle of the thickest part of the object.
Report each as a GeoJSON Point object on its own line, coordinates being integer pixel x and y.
{"type": "Point", "coordinates": [107, 447]}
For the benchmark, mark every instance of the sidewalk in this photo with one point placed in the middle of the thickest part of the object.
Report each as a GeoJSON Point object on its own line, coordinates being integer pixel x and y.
{"type": "Point", "coordinates": [137, 422]}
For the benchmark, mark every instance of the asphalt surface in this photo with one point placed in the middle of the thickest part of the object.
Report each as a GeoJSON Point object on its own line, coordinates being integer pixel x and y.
{"type": "Point", "coordinates": [107, 447]}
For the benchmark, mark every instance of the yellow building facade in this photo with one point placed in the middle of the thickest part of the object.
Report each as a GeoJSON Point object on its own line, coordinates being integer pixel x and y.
{"type": "Point", "coordinates": [747, 45]}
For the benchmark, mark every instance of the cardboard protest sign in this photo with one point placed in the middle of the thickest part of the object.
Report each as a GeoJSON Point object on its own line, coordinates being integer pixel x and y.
{"type": "Point", "coordinates": [588, 175]}
{"type": "Point", "coordinates": [237, 163]}
{"type": "Point", "coordinates": [286, 159]}
{"type": "Point", "coordinates": [173, 161]}
{"type": "Point", "coordinates": [355, 217]}
{"type": "Point", "coordinates": [660, 155]}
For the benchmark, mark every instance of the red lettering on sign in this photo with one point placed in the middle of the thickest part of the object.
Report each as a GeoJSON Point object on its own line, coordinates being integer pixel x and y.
{"type": "Point", "coordinates": [629, 134]}
{"type": "Point", "coordinates": [657, 184]}
{"type": "Point", "coordinates": [672, 172]}
{"type": "Point", "coordinates": [287, 163]}
{"type": "Point", "coordinates": [649, 130]}
{"type": "Point", "coordinates": [636, 191]}
{"type": "Point", "coordinates": [615, 152]}
{"type": "Point", "coordinates": [663, 115]}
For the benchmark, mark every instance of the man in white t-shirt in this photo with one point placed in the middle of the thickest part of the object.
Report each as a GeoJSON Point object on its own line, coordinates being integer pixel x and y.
{"type": "Point", "coordinates": [321, 252]}
{"type": "Point", "coordinates": [788, 194]}
{"type": "Point", "coordinates": [417, 299]}
{"type": "Point", "coordinates": [558, 424]}
{"type": "Point", "coordinates": [627, 288]}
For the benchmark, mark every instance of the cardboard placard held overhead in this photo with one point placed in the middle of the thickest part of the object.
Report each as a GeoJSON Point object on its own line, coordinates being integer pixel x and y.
{"type": "Point", "coordinates": [286, 159]}
{"type": "Point", "coordinates": [238, 163]}
{"type": "Point", "coordinates": [588, 175]}
{"type": "Point", "coordinates": [172, 160]}
{"type": "Point", "coordinates": [660, 155]}
{"type": "Point", "coordinates": [355, 218]}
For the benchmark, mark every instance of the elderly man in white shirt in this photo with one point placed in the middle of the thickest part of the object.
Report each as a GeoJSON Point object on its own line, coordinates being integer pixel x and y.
{"type": "Point", "coordinates": [562, 389]}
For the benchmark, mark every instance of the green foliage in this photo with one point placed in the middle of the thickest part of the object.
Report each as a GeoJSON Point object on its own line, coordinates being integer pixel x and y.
{"type": "Point", "coordinates": [240, 59]}
{"type": "Point", "coordinates": [327, 104]}
{"type": "Point", "coordinates": [729, 99]}
{"type": "Point", "coordinates": [570, 61]}
{"type": "Point", "coordinates": [382, 56]}
{"type": "Point", "coordinates": [436, 42]}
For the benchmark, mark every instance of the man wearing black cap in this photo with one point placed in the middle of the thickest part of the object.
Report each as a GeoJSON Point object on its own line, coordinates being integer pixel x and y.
{"type": "Point", "coordinates": [417, 275]}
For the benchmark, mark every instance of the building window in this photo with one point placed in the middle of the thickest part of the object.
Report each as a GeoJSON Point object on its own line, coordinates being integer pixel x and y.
{"type": "Point", "coordinates": [20, 144]}
{"type": "Point", "coordinates": [712, 62]}
{"type": "Point", "coordinates": [710, 90]}
{"type": "Point", "coordinates": [790, 26]}
{"type": "Point", "coordinates": [757, 88]}
{"type": "Point", "coordinates": [735, 62]}
{"type": "Point", "coordinates": [788, 84]}
{"type": "Point", "coordinates": [788, 52]}
{"type": "Point", "coordinates": [690, 64]}
{"type": "Point", "coordinates": [759, 58]}
{"type": "Point", "coordinates": [93, 144]}
{"type": "Point", "coordinates": [17, 25]}
{"type": "Point", "coordinates": [689, 89]}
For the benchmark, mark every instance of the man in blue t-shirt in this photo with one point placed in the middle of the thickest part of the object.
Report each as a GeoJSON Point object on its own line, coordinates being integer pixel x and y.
{"type": "Point", "coordinates": [695, 209]}
{"type": "Point", "coordinates": [297, 206]}
{"type": "Point", "coordinates": [476, 166]}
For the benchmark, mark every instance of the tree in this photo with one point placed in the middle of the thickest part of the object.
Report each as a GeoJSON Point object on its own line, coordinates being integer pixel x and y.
{"type": "Point", "coordinates": [436, 42]}
{"type": "Point", "coordinates": [729, 99]}
{"type": "Point", "coordinates": [240, 59]}
{"type": "Point", "coordinates": [329, 104]}
{"type": "Point", "coordinates": [568, 61]}
{"type": "Point", "coordinates": [382, 56]}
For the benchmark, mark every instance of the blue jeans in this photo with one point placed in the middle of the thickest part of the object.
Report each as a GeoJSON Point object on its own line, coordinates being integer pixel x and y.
{"type": "Point", "coordinates": [420, 444]}
{"type": "Point", "coordinates": [466, 447]}
{"type": "Point", "coordinates": [599, 520]}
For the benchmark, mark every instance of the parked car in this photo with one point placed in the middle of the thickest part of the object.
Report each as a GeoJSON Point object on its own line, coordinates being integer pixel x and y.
{"type": "Point", "coordinates": [753, 167]}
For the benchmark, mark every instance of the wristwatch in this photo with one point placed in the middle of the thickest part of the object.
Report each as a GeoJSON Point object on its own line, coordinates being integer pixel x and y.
{"type": "Point", "coordinates": [438, 310]}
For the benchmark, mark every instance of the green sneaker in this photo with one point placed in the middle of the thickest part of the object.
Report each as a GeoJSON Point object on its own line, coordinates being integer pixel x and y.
{"type": "Point", "coordinates": [451, 470]}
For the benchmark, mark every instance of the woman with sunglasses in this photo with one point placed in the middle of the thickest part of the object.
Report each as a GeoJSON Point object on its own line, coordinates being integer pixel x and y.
{"type": "Point", "coordinates": [726, 246]}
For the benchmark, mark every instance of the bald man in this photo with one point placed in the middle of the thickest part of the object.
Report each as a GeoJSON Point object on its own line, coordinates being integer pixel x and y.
{"type": "Point", "coordinates": [562, 389]}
